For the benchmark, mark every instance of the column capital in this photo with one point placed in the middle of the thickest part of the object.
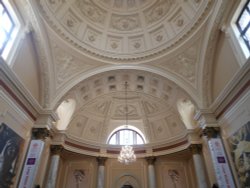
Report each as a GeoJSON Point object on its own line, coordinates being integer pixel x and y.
{"type": "Point", "coordinates": [101, 161]}
{"type": "Point", "coordinates": [195, 148]}
{"type": "Point", "coordinates": [56, 149]}
{"type": "Point", "coordinates": [40, 133]}
{"type": "Point", "coordinates": [211, 132]}
{"type": "Point", "coordinates": [206, 118]}
{"type": "Point", "coordinates": [46, 120]}
{"type": "Point", "coordinates": [151, 160]}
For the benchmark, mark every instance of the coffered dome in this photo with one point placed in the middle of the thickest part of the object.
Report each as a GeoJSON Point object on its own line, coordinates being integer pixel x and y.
{"type": "Point", "coordinates": [100, 107]}
{"type": "Point", "coordinates": [125, 29]}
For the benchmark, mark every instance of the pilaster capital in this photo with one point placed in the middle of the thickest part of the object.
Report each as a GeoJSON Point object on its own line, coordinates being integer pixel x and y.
{"type": "Point", "coordinates": [151, 160]}
{"type": "Point", "coordinates": [195, 148]}
{"type": "Point", "coordinates": [40, 133]}
{"type": "Point", "coordinates": [56, 149]}
{"type": "Point", "coordinates": [211, 132]}
{"type": "Point", "coordinates": [46, 120]}
{"type": "Point", "coordinates": [101, 161]}
{"type": "Point", "coordinates": [206, 118]}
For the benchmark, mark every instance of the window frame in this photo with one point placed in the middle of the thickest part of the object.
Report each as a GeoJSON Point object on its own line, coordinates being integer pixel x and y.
{"type": "Point", "coordinates": [239, 48]}
{"type": "Point", "coordinates": [241, 30]}
{"type": "Point", "coordinates": [117, 135]}
{"type": "Point", "coordinates": [8, 35]}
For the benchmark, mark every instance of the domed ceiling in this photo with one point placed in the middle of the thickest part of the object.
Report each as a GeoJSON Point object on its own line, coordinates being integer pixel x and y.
{"type": "Point", "coordinates": [125, 29]}
{"type": "Point", "coordinates": [89, 48]}
{"type": "Point", "coordinates": [151, 101]}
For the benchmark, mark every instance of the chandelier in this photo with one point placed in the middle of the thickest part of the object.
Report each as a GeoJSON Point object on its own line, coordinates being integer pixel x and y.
{"type": "Point", "coordinates": [127, 153]}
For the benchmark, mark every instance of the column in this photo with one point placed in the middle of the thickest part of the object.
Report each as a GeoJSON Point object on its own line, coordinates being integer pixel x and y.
{"type": "Point", "coordinates": [211, 133]}
{"type": "Point", "coordinates": [32, 161]}
{"type": "Point", "coordinates": [151, 172]}
{"type": "Point", "coordinates": [199, 165]}
{"type": "Point", "coordinates": [101, 171]}
{"type": "Point", "coordinates": [54, 165]}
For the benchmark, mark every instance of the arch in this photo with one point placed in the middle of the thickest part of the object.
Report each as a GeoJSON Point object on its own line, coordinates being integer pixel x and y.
{"type": "Point", "coordinates": [136, 132]}
{"type": "Point", "coordinates": [65, 111]}
{"type": "Point", "coordinates": [167, 75]}
{"type": "Point", "coordinates": [127, 179]}
{"type": "Point", "coordinates": [187, 110]}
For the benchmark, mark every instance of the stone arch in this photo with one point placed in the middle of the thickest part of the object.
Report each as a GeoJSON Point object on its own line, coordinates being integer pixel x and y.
{"type": "Point", "coordinates": [127, 179]}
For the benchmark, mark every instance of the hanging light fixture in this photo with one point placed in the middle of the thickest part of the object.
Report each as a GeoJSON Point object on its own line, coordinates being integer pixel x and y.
{"type": "Point", "coordinates": [127, 154]}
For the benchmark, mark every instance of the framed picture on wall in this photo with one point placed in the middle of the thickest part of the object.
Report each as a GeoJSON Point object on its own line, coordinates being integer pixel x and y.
{"type": "Point", "coordinates": [239, 144]}
{"type": "Point", "coordinates": [11, 145]}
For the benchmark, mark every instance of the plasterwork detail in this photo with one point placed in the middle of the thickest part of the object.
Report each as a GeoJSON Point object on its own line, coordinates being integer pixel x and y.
{"type": "Point", "coordinates": [121, 111]}
{"type": "Point", "coordinates": [159, 128]}
{"type": "Point", "coordinates": [93, 130]}
{"type": "Point", "coordinates": [98, 114]}
{"type": "Point", "coordinates": [55, 4]}
{"type": "Point", "coordinates": [185, 63]}
{"type": "Point", "coordinates": [66, 65]}
{"type": "Point", "coordinates": [91, 11]}
{"type": "Point", "coordinates": [150, 108]}
{"type": "Point", "coordinates": [158, 11]}
{"type": "Point", "coordinates": [125, 23]}
{"type": "Point", "coordinates": [99, 107]}
{"type": "Point", "coordinates": [77, 125]}
{"type": "Point", "coordinates": [71, 22]}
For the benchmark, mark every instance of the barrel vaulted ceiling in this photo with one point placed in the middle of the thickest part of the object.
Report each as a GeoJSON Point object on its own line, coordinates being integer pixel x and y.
{"type": "Point", "coordinates": [153, 44]}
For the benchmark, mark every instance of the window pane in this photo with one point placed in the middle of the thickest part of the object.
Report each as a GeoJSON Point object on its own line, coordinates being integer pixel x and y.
{"type": "Point", "coordinates": [244, 20]}
{"type": "Point", "coordinates": [7, 24]}
{"type": "Point", "coordinates": [126, 137]}
{"type": "Point", "coordinates": [113, 140]}
{"type": "Point", "coordinates": [2, 38]}
{"type": "Point", "coordinates": [1, 9]}
{"type": "Point", "coordinates": [139, 140]}
{"type": "Point", "coordinates": [247, 36]}
{"type": "Point", "coordinates": [6, 28]}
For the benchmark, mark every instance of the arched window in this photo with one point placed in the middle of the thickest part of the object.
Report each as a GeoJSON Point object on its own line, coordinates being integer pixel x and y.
{"type": "Point", "coordinates": [126, 136]}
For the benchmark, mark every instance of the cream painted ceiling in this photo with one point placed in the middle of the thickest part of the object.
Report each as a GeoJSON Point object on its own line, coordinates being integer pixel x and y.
{"type": "Point", "coordinates": [82, 44]}
{"type": "Point", "coordinates": [151, 101]}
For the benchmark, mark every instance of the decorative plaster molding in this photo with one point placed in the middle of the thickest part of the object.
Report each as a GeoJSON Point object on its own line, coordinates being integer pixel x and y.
{"type": "Point", "coordinates": [124, 55]}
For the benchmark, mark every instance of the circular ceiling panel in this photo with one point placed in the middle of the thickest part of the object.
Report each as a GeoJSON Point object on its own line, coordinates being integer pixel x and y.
{"type": "Point", "coordinates": [124, 29]}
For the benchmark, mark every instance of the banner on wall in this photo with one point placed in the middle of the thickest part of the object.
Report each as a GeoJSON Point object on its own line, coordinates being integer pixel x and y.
{"type": "Point", "coordinates": [221, 166]}
{"type": "Point", "coordinates": [31, 164]}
